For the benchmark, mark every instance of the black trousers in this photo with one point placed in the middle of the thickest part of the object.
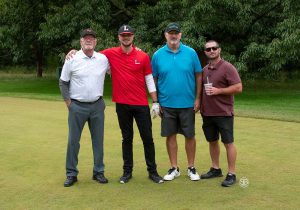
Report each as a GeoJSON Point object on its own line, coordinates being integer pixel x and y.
{"type": "Point", "coordinates": [141, 114]}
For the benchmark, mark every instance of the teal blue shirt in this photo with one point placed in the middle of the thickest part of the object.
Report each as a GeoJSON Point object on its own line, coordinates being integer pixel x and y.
{"type": "Point", "coordinates": [175, 74]}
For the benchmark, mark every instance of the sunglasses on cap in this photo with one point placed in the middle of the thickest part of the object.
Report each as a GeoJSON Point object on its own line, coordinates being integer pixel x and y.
{"type": "Point", "coordinates": [211, 48]}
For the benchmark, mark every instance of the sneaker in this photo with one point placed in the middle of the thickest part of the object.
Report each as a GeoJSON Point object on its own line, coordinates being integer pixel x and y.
{"type": "Point", "coordinates": [172, 173]}
{"type": "Point", "coordinates": [212, 173]}
{"type": "Point", "coordinates": [230, 180]}
{"type": "Point", "coordinates": [156, 178]}
{"type": "Point", "coordinates": [125, 177]}
{"type": "Point", "coordinates": [192, 173]}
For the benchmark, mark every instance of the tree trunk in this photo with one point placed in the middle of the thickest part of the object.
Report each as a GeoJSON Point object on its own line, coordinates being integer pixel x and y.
{"type": "Point", "coordinates": [39, 61]}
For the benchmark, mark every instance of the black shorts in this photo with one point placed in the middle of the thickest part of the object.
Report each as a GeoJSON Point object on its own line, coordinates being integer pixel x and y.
{"type": "Point", "coordinates": [178, 120]}
{"type": "Point", "coordinates": [213, 126]}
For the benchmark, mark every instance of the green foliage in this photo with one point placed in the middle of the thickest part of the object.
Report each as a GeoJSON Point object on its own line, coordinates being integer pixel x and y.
{"type": "Point", "coordinates": [20, 24]}
{"type": "Point", "coordinates": [262, 38]}
{"type": "Point", "coordinates": [150, 23]}
{"type": "Point", "coordinates": [63, 26]}
{"type": "Point", "coordinates": [280, 51]}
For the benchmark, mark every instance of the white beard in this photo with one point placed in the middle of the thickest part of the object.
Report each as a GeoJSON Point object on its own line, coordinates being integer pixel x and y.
{"type": "Point", "coordinates": [174, 42]}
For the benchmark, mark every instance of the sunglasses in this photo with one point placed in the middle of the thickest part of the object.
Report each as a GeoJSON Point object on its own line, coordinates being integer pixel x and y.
{"type": "Point", "coordinates": [211, 48]}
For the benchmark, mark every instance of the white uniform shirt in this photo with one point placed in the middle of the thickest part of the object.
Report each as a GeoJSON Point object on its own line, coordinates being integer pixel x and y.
{"type": "Point", "coordinates": [86, 76]}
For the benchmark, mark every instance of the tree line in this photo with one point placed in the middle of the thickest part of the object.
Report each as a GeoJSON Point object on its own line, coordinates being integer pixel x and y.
{"type": "Point", "coordinates": [261, 37]}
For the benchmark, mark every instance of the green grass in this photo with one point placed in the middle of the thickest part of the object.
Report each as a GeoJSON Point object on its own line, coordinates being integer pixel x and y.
{"type": "Point", "coordinates": [29, 86]}
{"type": "Point", "coordinates": [33, 141]}
{"type": "Point", "coordinates": [270, 100]}
{"type": "Point", "coordinates": [265, 100]}
{"type": "Point", "coordinates": [33, 147]}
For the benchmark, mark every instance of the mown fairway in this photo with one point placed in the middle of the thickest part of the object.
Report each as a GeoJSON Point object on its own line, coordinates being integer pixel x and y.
{"type": "Point", "coordinates": [33, 140]}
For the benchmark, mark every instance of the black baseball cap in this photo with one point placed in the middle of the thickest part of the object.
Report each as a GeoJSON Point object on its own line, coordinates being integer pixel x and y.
{"type": "Point", "coordinates": [125, 29]}
{"type": "Point", "coordinates": [87, 31]}
{"type": "Point", "coordinates": [173, 27]}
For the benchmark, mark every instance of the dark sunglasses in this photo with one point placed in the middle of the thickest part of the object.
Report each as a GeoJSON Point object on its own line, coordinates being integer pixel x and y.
{"type": "Point", "coordinates": [211, 48]}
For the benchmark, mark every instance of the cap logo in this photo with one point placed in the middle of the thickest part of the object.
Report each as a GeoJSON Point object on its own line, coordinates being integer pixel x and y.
{"type": "Point", "coordinates": [125, 29]}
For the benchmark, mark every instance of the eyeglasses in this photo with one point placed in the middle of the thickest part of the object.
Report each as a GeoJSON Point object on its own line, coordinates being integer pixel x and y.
{"type": "Point", "coordinates": [211, 48]}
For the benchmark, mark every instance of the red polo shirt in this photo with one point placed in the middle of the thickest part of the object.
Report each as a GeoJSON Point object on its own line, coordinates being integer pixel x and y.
{"type": "Point", "coordinates": [128, 75]}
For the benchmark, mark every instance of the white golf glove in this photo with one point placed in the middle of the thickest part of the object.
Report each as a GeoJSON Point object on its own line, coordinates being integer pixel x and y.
{"type": "Point", "coordinates": [155, 110]}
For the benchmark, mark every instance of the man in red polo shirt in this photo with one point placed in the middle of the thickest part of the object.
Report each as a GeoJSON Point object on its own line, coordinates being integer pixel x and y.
{"type": "Point", "coordinates": [221, 81]}
{"type": "Point", "coordinates": [131, 72]}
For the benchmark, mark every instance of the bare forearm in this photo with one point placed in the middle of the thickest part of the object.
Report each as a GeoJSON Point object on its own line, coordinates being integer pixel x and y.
{"type": "Point", "coordinates": [198, 85]}
{"type": "Point", "coordinates": [233, 89]}
{"type": "Point", "coordinates": [153, 96]}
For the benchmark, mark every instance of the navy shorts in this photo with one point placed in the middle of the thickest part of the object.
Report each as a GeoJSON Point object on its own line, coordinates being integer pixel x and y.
{"type": "Point", "coordinates": [178, 120]}
{"type": "Point", "coordinates": [214, 126]}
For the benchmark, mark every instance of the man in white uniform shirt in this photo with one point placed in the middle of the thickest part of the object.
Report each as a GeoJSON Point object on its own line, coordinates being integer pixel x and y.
{"type": "Point", "coordinates": [81, 85]}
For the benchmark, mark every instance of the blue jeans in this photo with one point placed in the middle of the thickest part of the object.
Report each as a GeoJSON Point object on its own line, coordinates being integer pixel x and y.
{"type": "Point", "coordinates": [141, 114]}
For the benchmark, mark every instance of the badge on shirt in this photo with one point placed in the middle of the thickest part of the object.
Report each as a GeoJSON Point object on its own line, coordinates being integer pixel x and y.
{"type": "Point", "coordinates": [136, 61]}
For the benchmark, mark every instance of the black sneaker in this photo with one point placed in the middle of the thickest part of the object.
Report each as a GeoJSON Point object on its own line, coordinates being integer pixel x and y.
{"type": "Point", "coordinates": [70, 181]}
{"type": "Point", "coordinates": [125, 177]}
{"type": "Point", "coordinates": [156, 178]}
{"type": "Point", "coordinates": [99, 177]}
{"type": "Point", "coordinates": [212, 173]}
{"type": "Point", "coordinates": [230, 180]}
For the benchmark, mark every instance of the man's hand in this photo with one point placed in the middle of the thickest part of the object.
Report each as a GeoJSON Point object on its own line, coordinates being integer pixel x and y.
{"type": "Point", "coordinates": [155, 110]}
{"type": "Point", "coordinates": [232, 89]}
{"type": "Point", "coordinates": [138, 49]}
{"type": "Point", "coordinates": [197, 105]}
{"type": "Point", "coordinates": [68, 103]}
{"type": "Point", "coordinates": [71, 54]}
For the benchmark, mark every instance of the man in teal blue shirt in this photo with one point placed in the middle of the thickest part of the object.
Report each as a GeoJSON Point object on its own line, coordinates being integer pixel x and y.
{"type": "Point", "coordinates": [177, 73]}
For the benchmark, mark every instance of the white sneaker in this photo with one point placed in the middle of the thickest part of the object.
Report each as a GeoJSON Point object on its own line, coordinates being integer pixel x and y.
{"type": "Point", "coordinates": [192, 173]}
{"type": "Point", "coordinates": [172, 173]}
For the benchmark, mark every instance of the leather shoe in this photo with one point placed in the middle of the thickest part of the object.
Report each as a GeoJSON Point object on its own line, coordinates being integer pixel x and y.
{"type": "Point", "coordinates": [99, 177]}
{"type": "Point", "coordinates": [70, 181]}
